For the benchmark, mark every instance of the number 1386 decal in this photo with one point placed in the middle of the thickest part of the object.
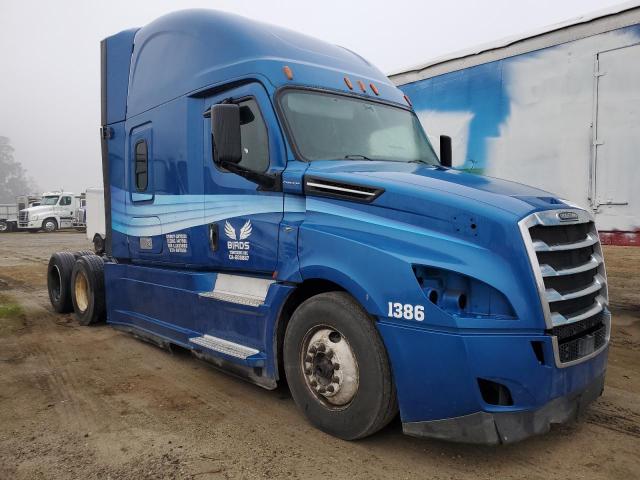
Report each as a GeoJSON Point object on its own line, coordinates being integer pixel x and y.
{"type": "Point", "coordinates": [406, 311]}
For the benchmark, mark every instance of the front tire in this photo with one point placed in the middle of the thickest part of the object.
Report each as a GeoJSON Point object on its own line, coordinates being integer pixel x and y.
{"type": "Point", "coordinates": [50, 225]}
{"type": "Point", "coordinates": [337, 367]}
{"type": "Point", "coordinates": [87, 289]}
{"type": "Point", "coordinates": [4, 226]}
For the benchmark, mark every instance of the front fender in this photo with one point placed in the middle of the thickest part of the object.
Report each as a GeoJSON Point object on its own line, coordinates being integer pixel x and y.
{"type": "Point", "coordinates": [372, 255]}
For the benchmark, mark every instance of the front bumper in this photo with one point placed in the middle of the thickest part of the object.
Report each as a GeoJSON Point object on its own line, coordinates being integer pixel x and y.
{"type": "Point", "coordinates": [438, 374]}
{"type": "Point", "coordinates": [507, 427]}
{"type": "Point", "coordinates": [30, 224]}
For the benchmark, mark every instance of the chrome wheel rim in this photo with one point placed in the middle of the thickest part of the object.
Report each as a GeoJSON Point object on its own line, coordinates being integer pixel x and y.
{"type": "Point", "coordinates": [329, 367]}
{"type": "Point", "coordinates": [49, 226]}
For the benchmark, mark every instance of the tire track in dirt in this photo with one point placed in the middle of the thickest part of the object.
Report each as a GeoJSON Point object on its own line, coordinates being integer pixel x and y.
{"type": "Point", "coordinates": [614, 417]}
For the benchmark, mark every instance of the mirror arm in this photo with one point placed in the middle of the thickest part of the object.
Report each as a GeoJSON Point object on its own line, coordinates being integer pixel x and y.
{"type": "Point", "coordinates": [207, 112]}
{"type": "Point", "coordinates": [267, 181]}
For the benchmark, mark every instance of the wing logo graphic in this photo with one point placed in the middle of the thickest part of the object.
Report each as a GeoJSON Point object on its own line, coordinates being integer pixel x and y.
{"type": "Point", "coordinates": [238, 244]}
{"type": "Point", "coordinates": [245, 231]}
{"type": "Point", "coordinates": [229, 230]}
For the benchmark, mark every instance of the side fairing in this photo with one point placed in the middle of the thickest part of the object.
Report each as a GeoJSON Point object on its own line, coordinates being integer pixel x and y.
{"type": "Point", "coordinates": [116, 189]}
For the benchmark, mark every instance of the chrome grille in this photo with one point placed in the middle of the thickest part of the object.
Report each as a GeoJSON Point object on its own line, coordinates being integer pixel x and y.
{"type": "Point", "coordinates": [567, 262]}
{"type": "Point", "coordinates": [23, 217]}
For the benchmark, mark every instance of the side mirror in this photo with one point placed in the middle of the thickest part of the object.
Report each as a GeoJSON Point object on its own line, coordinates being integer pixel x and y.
{"type": "Point", "coordinates": [225, 130]}
{"type": "Point", "coordinates": [445, 151]}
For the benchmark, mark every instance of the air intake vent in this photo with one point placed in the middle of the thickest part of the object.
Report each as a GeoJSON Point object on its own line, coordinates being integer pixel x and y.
{"type": "Point", "coordinates": [346, 191]}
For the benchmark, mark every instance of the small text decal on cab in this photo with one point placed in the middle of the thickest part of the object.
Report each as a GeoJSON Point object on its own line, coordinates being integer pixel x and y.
{"type": "Point", "coordinates": [406, 311]}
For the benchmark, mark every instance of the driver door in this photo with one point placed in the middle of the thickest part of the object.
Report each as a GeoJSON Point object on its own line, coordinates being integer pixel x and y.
{"type": "Point", "coordinates": [243, 219]}
{"type": "Point", "coordinates": [64, 211]}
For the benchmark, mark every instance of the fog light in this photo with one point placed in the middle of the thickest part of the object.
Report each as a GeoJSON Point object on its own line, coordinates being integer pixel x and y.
{"type": "Point", "coordinates": [494, 393]}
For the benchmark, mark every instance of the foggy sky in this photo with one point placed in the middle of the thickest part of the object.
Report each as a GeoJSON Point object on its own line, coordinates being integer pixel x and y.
{"type": "Point", "coordinates": [50, 58]}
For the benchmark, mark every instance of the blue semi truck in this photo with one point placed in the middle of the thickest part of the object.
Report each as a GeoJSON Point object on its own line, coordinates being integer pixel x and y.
{"type": "Point", "coordinates": [273, 205]}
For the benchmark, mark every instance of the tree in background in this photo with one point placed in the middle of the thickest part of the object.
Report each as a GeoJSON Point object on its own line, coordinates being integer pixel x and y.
{"type": "Point", "coordinates": [13, 178]}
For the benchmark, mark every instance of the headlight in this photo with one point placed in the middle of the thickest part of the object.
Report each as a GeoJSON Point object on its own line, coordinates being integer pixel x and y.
{"type": "Point", "coordinates": [33, 217]}
{"type": "Point", "coordinates": [462, 295]}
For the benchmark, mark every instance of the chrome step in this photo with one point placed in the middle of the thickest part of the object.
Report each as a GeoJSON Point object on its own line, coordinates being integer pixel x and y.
{"type": "Point", "coordinates": [239, 289]}
{"type": "Point", "coordinates": [224, 346]}
{"type": "Point", "coordinates": [234, 298]}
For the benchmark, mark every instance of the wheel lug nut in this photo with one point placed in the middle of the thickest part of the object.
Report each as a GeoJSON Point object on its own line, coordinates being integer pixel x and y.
{"type": "Point", "coordinates": [313, 383]}
{"type": "Point", "coordinates": [329, 353]}
{"type": "Point", "coordinates": [322, 390]}
{"type": "Point", "coordinates": [321, 347]}
{"type": "Point", "coordinates": [330, 389]}
{"type": "Point", "coordinates": [307, 371]}
{"type": "Point", "coordinates": [335, 379]}
{"type": "Point", "coordinates": [313, 349]}
{"type": "Point", "coordinates": [308, 358]}
{"type": "Point", "coordinates": [336, 366]}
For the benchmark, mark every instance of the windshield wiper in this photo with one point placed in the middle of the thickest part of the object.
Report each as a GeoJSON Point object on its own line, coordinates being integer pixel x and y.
{"type": "Point", "coordinates": [357, 157]}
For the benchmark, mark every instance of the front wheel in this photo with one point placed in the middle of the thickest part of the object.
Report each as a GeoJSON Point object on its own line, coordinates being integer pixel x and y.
{"type": "Point", "coordinates": [337, 367]}
{"type": "Point", "coordinates": [50, 225]}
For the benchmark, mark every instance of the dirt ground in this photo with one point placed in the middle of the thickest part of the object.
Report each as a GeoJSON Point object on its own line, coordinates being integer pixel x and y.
{"type": "Point", "coordinates": [79, 402]}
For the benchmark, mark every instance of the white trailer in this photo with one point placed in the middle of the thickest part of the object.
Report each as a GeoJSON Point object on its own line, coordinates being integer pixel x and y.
{"type": "Point", "coordinates": [8, 217]}
{"type": "Point", "coordinates": [9, 211]}
{"type": "Point", "coordinates": [94, 218]}
{"type": "Point", "coordinates": [557, 108]}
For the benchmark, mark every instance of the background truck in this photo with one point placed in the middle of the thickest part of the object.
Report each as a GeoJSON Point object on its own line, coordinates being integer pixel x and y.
{"type": "Point", "coordinates": [56, 210]}
{"type": "Point", "coordinates": [273, 205]}
{"type": "Point", "coordinates": [80, 215]}
{"type": "Point", "coordinates": [9, 211]}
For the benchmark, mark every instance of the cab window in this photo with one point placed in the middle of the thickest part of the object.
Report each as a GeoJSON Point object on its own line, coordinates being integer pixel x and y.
{"type": "Point", "coordinates": [64, 201]}
{"type": "Point", "coordinates": [141, 166]}
{"type": "Point", "coordinates": [255, 141]}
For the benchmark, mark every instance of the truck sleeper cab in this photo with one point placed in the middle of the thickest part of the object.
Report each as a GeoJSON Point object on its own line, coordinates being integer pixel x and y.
{"type": "Point", "coordinates": [273, 204]}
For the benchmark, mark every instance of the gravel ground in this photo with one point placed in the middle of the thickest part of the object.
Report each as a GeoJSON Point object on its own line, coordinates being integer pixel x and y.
{"type": "Point", "coordinates": [79, 402]}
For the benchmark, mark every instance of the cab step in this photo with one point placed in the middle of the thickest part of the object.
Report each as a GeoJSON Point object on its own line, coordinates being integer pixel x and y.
{"type": "Point", "coordinates": [225, 347]}
{"type": "Point", "coordinates": [239, 289]}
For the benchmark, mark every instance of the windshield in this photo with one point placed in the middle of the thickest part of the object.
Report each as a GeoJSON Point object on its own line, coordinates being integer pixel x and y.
{"type": "Point", "coordinates": [325, 126]}
{"type": "Point", "coordinates": [50, 200]}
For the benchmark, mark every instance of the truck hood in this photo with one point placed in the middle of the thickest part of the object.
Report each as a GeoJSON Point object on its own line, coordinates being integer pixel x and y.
{"type": "Point", "coordinates": [37, 210]}
{"type": "Point", "coordinates": [419, 188]}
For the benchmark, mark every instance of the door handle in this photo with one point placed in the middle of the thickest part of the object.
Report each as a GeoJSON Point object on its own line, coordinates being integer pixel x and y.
{"type": "Point", "coordinates": [213, 236]}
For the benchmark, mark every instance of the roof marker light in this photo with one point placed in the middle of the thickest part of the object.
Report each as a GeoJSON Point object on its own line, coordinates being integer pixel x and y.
{"type": "Point", "coordinates": [362, 86]}
{"type": "Point", "coordinates": [406, 99]}
{"type": "Point", "coordinates": [348, 82]}
{"type": "Point", "coordinates": [374, 89]}
{"type": "Point", "coordinates": [287, 72]}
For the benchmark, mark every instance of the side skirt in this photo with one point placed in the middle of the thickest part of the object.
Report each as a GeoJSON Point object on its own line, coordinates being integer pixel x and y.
{"type": "Point", "coordinates": [250, 374]}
